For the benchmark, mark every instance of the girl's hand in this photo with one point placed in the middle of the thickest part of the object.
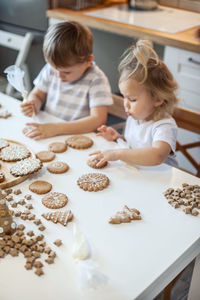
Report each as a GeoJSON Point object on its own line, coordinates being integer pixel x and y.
{"type": "Point", "coordinates": [104, 156]}
{"type": "Point", "coordinates": [109, 133]}
{"type": "Point", "coordinates": [41, 131]}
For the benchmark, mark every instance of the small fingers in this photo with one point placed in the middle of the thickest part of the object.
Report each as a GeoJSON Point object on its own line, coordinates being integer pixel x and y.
{"type": "Point", "coordinates": [95, 153]}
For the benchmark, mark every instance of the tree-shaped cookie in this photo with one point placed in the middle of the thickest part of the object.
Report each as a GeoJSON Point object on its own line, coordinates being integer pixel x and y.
{"type": "Point", "coordinates": [125, 216]}
{"type": "Point", "coordinates": [7, 225]}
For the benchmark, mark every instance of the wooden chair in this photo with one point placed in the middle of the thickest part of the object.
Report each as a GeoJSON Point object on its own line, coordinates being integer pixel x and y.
{"type": "Point", "coordinates": [117, 110]}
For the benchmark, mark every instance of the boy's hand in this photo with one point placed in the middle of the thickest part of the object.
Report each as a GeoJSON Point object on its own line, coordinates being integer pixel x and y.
{"type": "Point", "coordinates": [28, 108]}
{"type": "Point", "coordinates": [104, 156]}
{"type": "Point", "coordinates": [41, 131]}
{"type": "Point", "coordinates": [109, 133]}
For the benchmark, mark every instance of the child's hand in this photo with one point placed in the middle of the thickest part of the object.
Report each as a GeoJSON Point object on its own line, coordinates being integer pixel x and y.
{"type": "Point", "coordinates": [109, 133]}
{"type": "Point", "coordinates": [28, 108]}
{"type": "Point", "coordinates": [41, 131]}
{"type": "Point", "coordinates": [104, 156]}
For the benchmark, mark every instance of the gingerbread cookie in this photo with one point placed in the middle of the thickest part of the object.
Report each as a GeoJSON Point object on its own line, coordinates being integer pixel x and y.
{"type": "Point", "coordinates": [26, 166]}
{"type": "Point", "coordinates": [57, 167]}
{"type": "Point", "coordinates": [45, 156]}
{"type": "Point", "coordinates": [14, 153]}
{"type": "Point", "coordinates": [55, 200]}
{"type": "Point", "coordinates": [3, 143]}
{"type": "Point", "coordinates": [93, 163]}
{"type": "Point", "coordinates": [7, 225]}
{"type": "Point", "coordinates": [93, 182]}
{"type": "Point", "coordinates": [57, 147]}
{"type": "Point", "coordinates": [79, 142]}
{"type": "Point", "coordinates": [125, 216]}
{"type": "Point", "coordinates": [40, 187]}
{"type": "Point", "coordinates": [62, 217]}
{"type": "Point", "coordinates": [2, 176]}
{"type": "Point", "coordinates": [4, 114]}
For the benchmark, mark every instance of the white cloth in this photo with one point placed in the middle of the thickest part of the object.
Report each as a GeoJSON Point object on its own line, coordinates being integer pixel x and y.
{"type": "Point", "coordinates": [73, 100]}
{"type": "Point", "coordinates": [145, 134]}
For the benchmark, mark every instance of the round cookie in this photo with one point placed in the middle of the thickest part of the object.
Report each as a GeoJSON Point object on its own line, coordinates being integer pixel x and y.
{"type": "Point", "coordinates": [14, 153]}
{"type": "Point", "coordinates": [57, 147]}
{"type": "Point", "coordinates": [45, 156]}
{"type": "Point", "coordinates": [40, 187]}
{"type": "Point", "coordinates": [79, 142]}
{"type": "Point", "coordinates": [3, 143]}
{"type": "Point", "coordinates": [93, 182]}
{"type": "Point", "coordinates": [26, 166]}
{"type": "Point", "coordinates": [93, 163]}
{"type": "Point", "coordinates": [57, 167]}
{"type": "Point", "coordinates": [55, 200]}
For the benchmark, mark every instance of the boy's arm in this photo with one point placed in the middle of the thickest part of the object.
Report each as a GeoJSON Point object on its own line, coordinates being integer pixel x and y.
{"type": "Point", "coordinates": [34, 103]}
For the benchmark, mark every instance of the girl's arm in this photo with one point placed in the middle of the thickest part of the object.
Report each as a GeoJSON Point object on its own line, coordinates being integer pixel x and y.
{"type": "Point", "coordinates": [34, 103]}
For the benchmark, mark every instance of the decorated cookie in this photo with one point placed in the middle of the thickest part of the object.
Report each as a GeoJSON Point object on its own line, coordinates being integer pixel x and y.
{"type": "Point", "coordinates": [57, 147]}
{"type": "Point", "coordinates": [45, 156]}
{"type": "Point", "coordinates": [93, 163]}
{"type": "Point", "coordinates": [55, 200]}
{"type": "Point", "coordinates": [3, 143]}
{"type": "Point", "coordinates": [93, 182]}
{"type": "Point", "coordinates": [4, 114]}
{"type": "Point", "coordinates": [79, 142]}
{"type": "Point", "coordinates": [7, 225]}
{"type": "Point", "coordinates": [2, 176]}
{"type": "Point", "coordinates": [57, 167]}
{"type": "Point", "coordinates": [125, 216]}
{"type": "Point", "coordinates": [40, 187]}
{"type": "Point", "coordinates": [26, 166]}
{"type": "Point", "coordinates": [14, 153]}
{"type": "Point", "coordinates": [62, 217]}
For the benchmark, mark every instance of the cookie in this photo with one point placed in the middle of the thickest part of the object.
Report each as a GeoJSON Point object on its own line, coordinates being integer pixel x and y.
{"type": "Point", "coordinates": [57, 167]}
{"type": "Point", "coordinates": [125, 216]}
{"type": "Point", "coordinates": [2, 176]}
{"type": "Point", "coordinates": [55, 200]}
{"type": "Point", "coordinates": [40, 187]}
{"type": "Point", "coordinates": [26, 166]}
{"type": "Point", "coordinates": [93, 163]}
{"type": "Point", "coordinates": [4, 114]}
{"type": "Point", "coordinates": [62, 217]}
{"type": "Point", "coordinates": [93, 182]}
{"type": "Point", "coordinates": [3, 143]}
{"type": "Point", "coordinates": [14, 153]}
{"type": "Point", "coordinates": [45, 156]}
{"type": "Point", "coordinates": [57, 147]}
{"type": "Point", "coordinates": [79, 142]}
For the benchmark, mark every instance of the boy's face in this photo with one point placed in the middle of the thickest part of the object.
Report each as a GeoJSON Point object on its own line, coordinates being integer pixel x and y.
{"type": "Point", "coordinates": [72, 73]}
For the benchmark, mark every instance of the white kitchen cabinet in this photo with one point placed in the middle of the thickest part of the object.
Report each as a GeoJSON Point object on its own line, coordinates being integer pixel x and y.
{"type": "Point", "coordinates": [185, 67]}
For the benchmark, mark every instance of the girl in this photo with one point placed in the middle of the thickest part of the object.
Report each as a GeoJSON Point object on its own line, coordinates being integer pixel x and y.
{"type": "Point", "coordinates": [148, 89]}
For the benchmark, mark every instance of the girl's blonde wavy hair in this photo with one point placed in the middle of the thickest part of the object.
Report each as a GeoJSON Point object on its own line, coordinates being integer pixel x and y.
{"type": "Point", "coordinates": [141, 63]}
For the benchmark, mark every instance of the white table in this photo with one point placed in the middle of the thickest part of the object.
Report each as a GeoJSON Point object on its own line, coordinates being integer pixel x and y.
{"type": "Point", "coordinates": [139, 258]}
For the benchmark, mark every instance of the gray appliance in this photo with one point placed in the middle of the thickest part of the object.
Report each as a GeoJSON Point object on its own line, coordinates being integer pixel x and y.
{"type": "Point", "coordinates": [20, 16]}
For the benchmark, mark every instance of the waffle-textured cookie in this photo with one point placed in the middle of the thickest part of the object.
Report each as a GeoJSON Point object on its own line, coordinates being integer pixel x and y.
{"type": "Point", "coordinates": [93, 182]}
{"type": "Point", "coordinates": [55, 200]}
{"type": "Point", "coordinates": [14, 153]}
{"type": "Point", "coordinates": [62, 217]}
{"type": "Point", "coordinates": [125, 216]}
{"type": "Point", "coordinates": [40, 187]}
{"type": "Point", "coordinates": [79, 142]}
{"type": "Point", "coordinates": [26, 166]}
{"type": "Point", "coordinates": [57, 147]}
{"type": "Point", "coordinates": [45, 156]}
{"type": "Point", "coordinates": [57, 167]}
{"type": "Point", "coordinates": [3, 143]}
{"type": "Point", "coordinates": [93, 164]}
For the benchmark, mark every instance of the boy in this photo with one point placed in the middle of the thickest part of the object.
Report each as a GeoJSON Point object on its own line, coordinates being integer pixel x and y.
{"type": "Point", "coordinates": [75, 89]}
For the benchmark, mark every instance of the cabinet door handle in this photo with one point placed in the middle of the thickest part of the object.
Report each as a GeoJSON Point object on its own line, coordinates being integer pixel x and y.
{"type": "Point", "coordinates": [194, 61]}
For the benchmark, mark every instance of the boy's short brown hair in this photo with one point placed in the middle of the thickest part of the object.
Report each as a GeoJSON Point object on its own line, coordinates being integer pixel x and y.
{"type": "Point", "coordinates": [67, 43]}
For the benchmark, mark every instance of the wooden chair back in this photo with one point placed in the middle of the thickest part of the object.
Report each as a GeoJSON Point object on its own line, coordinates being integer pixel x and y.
{"type": "Point", "coordinates": [117, 110]}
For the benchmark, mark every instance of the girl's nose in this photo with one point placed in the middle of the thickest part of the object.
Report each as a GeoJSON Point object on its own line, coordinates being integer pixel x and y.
{"type": "Point", "coordinates": [126, 103]}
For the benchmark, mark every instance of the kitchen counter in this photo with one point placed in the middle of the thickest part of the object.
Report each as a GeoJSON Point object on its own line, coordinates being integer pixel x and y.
{"type": "Point", "coordinates": [184, 39]}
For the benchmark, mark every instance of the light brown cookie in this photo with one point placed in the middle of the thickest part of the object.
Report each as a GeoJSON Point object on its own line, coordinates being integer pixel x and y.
{"type": "Point", "coordinates": [93, 182]}
{"type": "Point", "coordinates": [55, 200]}
{"type": "Point", "coordinates": [125, 216]}
{"type": "Point", "coordinates": [3, 143]}
{"type": "Point", "coordinates": [2, 176]}
{"type": "Point", "coordinates": [93, 163]}
{"type": "Point", "coordinates": [62, 217]}
{"type": "Point", "coordinates": [45, 156]}
{"type": "Point", "coordinates": [14, 153]}
{"type": "Point", "coordinates": [57, 167]}
{"type": "Point", "coordinates": [26, 166]}
{"type": "Point", "coordinates": [79, 142]}
{"type": "Point", "coordinates": [40, 187]}
{"type": "Point", "coordinates": [57, 147]}
{"type": "Point", "coordinates": [4, 114]}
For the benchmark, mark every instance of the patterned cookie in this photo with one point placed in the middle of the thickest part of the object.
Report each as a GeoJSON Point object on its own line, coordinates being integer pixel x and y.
{"type": "Point", "coordinates": [79, 142]}
{"type": "Point", "coordinates": [14, 153]}
{"type": "Point", "coordinates": [93, 182]}
{"type": "Point", "coordinates": [3, 143]}
{"type": "Point", "coordinates": [55, 200]}
{"type": "Point", "coordinates": [62, 217]}
{"type": "Point", "coordinates": [125, 216]}
{"type": "Point", "coordinates": [40, 187]}
{"type": "Point", "coordinates": [26, 166]}
{"type": "Point", "coordinates": [45, 156]}
{"type": "Point", "coordinates": [2, 176]}
{"type": "Point", "coordinates": [57, 167]}
{"type": "Point", "coordinates": [4, 114]}
{"type": "Point", "coordinates": [93, 163]}
{"type": "Point", "coordinates": [57, 147]}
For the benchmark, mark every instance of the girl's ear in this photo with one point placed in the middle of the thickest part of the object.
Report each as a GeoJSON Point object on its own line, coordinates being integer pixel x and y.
{"type": "Point", "coordinates": [158, 102]}
{"type": "Point", "coordinates": [91, 58]}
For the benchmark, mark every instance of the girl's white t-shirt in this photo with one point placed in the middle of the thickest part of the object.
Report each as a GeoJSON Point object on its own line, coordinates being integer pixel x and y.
{"type": "Point", "coordinates": [141, 135]}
